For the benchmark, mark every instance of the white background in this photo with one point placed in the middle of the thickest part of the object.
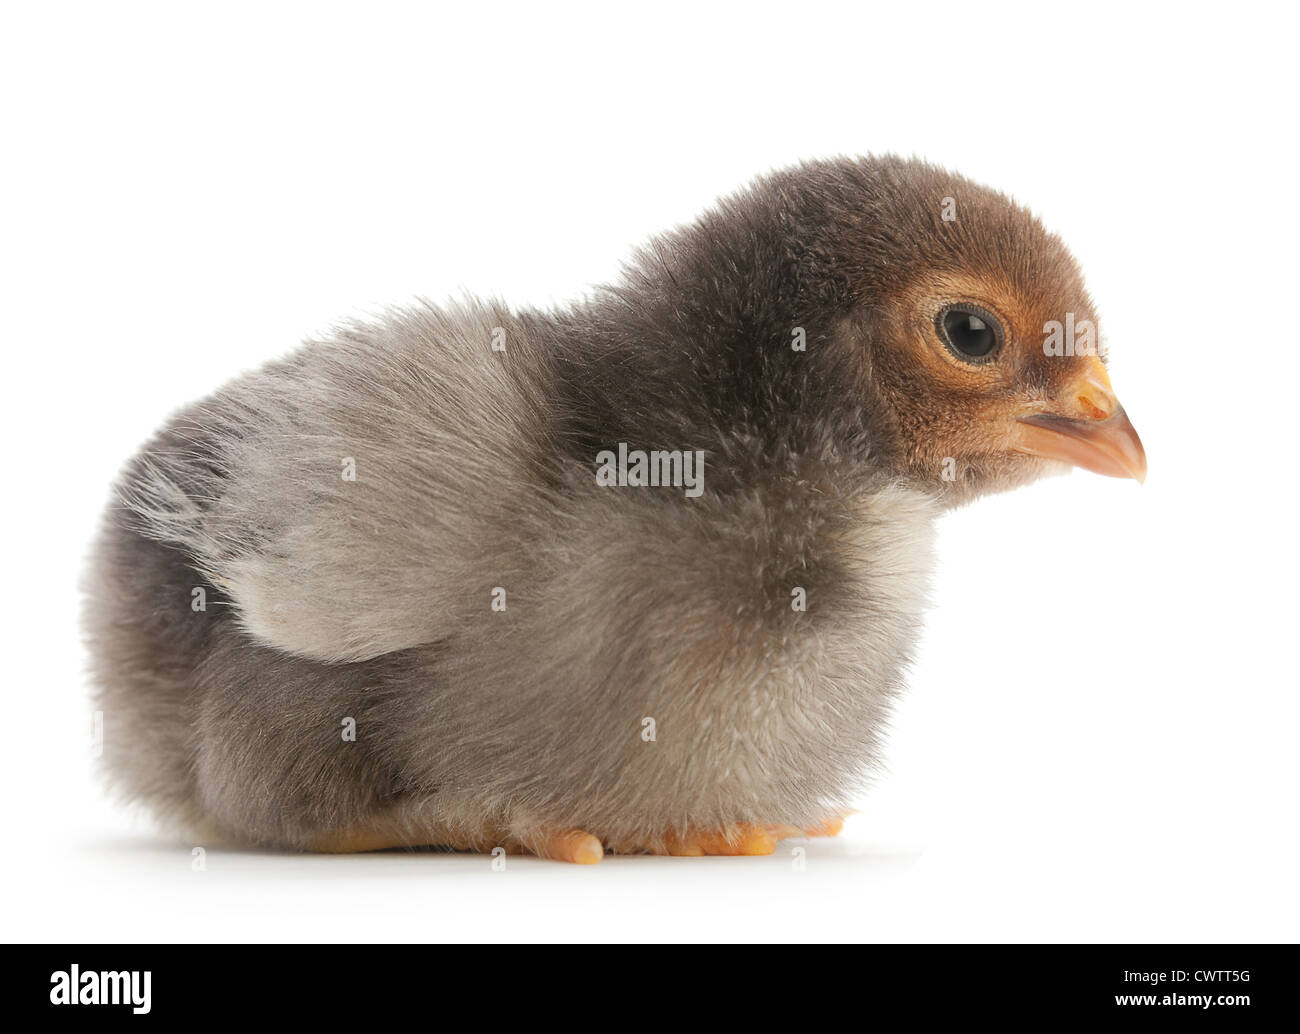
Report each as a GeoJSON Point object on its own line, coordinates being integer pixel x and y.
{"type": "Point", "coordinates": [1098, 742]}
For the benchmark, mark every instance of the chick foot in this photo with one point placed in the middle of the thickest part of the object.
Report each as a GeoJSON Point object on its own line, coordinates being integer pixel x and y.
{"type": "Point", "coordinates": [742, 838]}
{"type": "Point", "coordinates": [829, 826]}
{"type": "Point", "coordinates": [582, 848]}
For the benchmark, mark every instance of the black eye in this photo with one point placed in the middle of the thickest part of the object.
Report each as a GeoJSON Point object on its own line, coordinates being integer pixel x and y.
{"type": "Point", "coordinates": [971, 332]}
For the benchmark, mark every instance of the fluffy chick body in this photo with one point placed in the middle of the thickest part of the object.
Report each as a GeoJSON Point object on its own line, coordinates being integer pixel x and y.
{"type": "Point", "coordinates": [371, 599]}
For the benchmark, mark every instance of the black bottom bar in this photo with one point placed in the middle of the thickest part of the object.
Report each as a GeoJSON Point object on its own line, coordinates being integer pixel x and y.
{"type": "Point", "coordinates": [670, 985]}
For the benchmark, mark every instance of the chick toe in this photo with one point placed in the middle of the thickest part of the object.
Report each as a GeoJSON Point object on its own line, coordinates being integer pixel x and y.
{"type": "Point", "coordinates": [575, 846]}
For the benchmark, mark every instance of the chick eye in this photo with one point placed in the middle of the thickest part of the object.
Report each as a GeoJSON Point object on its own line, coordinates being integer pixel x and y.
{"type": "Point", "coordinates": [971, 332]}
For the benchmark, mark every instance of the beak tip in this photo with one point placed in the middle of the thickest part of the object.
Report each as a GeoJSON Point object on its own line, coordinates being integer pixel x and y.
{"type": "Point", "coordinates": [1140, 466]}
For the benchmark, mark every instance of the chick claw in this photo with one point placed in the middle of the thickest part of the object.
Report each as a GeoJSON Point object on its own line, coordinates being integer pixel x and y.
{"type": "Point", "coordinates": [829, 827]}
{"type": "Point", "coordinates": [573, 846]}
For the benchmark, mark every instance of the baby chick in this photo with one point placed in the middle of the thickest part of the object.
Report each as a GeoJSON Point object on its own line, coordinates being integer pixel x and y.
{"type": "Point", "coordinates": [638, 575]}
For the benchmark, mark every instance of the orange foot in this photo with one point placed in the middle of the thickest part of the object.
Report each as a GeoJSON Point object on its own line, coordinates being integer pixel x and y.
{"type": "Point", "coordinates": [739, 839]}
{"type": "Point", "coordinates": [829, 827]}
{"type": "Point", "coordinates": [744, 838]}
{"type": "Point", "coordinates": [582, 848]}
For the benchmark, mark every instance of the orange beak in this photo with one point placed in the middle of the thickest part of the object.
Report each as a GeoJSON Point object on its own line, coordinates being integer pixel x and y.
{"type": "Point", "coordinates": [1099, 439]}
